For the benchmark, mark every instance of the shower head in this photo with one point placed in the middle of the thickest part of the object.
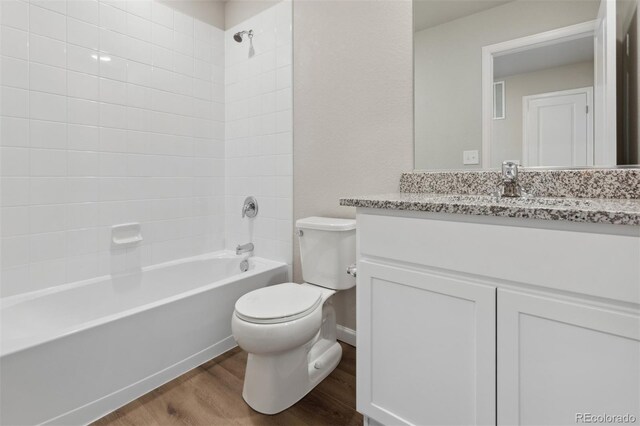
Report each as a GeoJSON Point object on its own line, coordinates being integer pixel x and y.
{"type": "Point", "coordinates": [238, 36]}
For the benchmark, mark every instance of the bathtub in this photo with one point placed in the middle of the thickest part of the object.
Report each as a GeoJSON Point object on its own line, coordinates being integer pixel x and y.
{"type": "Point", "coordinates": [70, 355]}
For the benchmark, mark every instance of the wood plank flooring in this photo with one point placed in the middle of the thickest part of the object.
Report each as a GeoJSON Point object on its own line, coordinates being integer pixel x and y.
{"type": "Point", "coordinates": [211, 394]}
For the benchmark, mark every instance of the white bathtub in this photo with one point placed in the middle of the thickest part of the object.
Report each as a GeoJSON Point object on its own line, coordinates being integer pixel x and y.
{"type": "Point", "coordinates": [72, 354]}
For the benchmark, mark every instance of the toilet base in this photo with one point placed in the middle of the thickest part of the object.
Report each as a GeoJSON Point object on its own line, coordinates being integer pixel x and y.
{"type": "Point", "coordinates": [274, 382]}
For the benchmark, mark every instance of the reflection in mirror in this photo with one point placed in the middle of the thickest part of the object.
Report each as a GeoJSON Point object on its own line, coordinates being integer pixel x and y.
{"type": "Point", "coordinates": [539, 82]}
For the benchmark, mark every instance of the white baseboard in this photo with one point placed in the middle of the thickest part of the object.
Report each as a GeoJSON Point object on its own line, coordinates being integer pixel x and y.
{"type": "Point", "coordinates": [346, 335]}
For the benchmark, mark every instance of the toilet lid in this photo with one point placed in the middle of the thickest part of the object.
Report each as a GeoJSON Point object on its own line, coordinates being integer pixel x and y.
{"type": "Point", "coordinates": [278, 303]}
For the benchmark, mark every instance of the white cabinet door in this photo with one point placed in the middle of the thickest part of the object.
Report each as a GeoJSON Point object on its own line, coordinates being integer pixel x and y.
{"type": "Point", "coordinates": [559, 360]}
{"type": "Point", "coordinates": [426, 347]}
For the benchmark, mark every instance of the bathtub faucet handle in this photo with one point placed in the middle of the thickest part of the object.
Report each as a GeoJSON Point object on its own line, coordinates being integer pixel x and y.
{"type": "Point", "coordinates": [250, 207]}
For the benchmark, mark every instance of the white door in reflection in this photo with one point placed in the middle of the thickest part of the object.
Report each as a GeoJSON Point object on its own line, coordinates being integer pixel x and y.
{"type": "Point", "coordinates": [558, 128]}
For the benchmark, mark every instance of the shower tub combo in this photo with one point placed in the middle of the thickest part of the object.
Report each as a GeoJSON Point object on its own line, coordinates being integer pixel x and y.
{"type": "Point", "coordinates": [71, 354]}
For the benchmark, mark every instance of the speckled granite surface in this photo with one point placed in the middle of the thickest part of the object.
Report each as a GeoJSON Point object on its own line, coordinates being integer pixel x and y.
{"type": "Point", "coordinates": [586, 183]}
{"type": "Point", "coordinates": [611, 211]}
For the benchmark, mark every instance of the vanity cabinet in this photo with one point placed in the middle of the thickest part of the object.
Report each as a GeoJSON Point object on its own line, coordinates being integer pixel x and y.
{"type": "Point", "coordinates": [560, 358]}
{"type": "Point", "coordinates": [483, 320]}
{"type": "Point", "coordinates": [430, 345]}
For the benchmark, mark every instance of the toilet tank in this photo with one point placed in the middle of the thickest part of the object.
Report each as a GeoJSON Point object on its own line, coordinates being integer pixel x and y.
{"type": "Point", "coordinates": [327, 247]}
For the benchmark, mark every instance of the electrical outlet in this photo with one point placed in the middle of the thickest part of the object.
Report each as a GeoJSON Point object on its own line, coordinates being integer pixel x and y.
{"type": "Point", "coordinates": [470, 157]}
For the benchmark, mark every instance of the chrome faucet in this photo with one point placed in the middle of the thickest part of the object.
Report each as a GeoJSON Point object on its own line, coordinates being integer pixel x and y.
{"type": "Point", "coordinates": [244, 248]}
{"type": "Point", "coordinates": [510, 186]}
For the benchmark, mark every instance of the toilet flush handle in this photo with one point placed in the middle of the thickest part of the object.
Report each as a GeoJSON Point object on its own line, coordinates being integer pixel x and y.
{"type": "Point", "coordinates": [352, 270]}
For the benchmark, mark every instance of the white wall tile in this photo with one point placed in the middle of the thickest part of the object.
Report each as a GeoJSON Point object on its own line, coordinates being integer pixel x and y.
{"type": "Point", "coordinates": [59, 6]}
{"type": "Point", "coordinates": [113, 91]}
{"type": "Point", "coordinates": [162, 14]}
{"type": "Point", "coordinates": [48, 134]}
{"type": "Point", "coordinates": [82, 189]}
{"type": "Point", "coordinates": [113, 67]}
{"type": "Point", "coordinates": [82, 137]}
{"type": "Point", "coordinates": [183, 23]}
{"type": "Point", "coordinates": [258, 134]}
{"type": "Point", "coordinates": [46, 22]}
{"type": "Point", "coordinates": [82, 241]}
{"type": "Point", "coordinates": [15, 251]}
{"type": "Point", "coordinates": [125, 121]}
{"type": "Point", "coordinates": [113, 43]}
{"type": "Point", "coordinates": [138, 27]}
{"type": "Point", "coordinates": [47, 218]}
{"type": "Point", "coordinates": [46, 274]}
{"type": "Point", "coordinates": [82, 34]}
{"type": "Point", "coordinates": [14, 13]}
{"type": "Point", "coordinates": [15, 221]}
{"type": "Point", "coordinates": [118, 4]}
{"type": "Point", "coordinates": [81, 215]}
{"type": "Point", "coordinates": [141, 8]}
{"type": "Point", "coordinates": [82, 267]}
{"type": "Point", "coordinates": [162, 36]}
{"type": "Point", "coordinates": [47, 51]}
{"type": "Point", "coordinates": [81, 85]}
{"type": "Point", "coordinates": [14, 132]}
{"type": "Point", "coordinates": [112, 18]}
{"type": "Point", "coordinates": [15, 191]}
{"type": "Point", "coordinates": [47, 246]}
{"type": "Point", "coordinates": [82, 163]}
{"type": "Point", "coordinates": [112, 115]}
{"type": "Point", "coordinates": [84, 10]}
{"type": "Point", "coordinates": [48, 162]}
{"type": "Point", "coordinates": [82, 59]}
{"type": "Point", "coordinates": [113, 140]}
{"type": "Point", "coordinates": [14, 161]}
{"type": "Point", "coordinates": [82, 111]}
{"type": "Point", "coordinates": [139, 50]}
{"type": "Point", "coordinates": [14, 42]}
{"type": "Point", "coordinates": [44, 78]}
{"type": "Point", "coordinates": [15, 72]}
{"type": "Point", "coordinates": [14, 102]}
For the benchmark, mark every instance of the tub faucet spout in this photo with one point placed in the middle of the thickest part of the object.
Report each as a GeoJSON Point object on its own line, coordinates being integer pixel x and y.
{"type": "Point", "coordinates": [244, 248]}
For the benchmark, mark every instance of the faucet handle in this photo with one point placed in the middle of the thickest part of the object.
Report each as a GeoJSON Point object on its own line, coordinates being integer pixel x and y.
{"type": "Point", "coordinates": [250, 207]}
{"type": "Point", "coordinates": [509, 171]}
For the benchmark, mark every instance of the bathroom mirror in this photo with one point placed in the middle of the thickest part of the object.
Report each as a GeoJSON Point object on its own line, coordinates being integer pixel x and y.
{"type": "Point", "coordinates": [540, 82]}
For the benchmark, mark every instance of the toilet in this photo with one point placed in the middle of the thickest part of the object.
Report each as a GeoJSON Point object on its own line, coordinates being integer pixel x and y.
{"type": "Point", "coordinates": [289, 330]}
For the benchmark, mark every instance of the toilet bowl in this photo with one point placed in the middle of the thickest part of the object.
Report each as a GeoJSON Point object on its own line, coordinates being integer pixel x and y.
{"type": "Point", "coordinates": [289, 329]}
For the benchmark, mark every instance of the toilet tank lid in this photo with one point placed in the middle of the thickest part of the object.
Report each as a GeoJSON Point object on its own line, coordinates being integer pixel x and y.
{"type": "Point", "coordinates": [326, 223]}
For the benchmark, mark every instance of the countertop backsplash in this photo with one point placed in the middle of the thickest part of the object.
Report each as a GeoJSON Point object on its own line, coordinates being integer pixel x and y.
{"type": "Point", "coordinates": [578, 183]}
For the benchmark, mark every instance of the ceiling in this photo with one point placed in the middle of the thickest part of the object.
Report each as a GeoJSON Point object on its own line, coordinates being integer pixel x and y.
{"type": "Point", "coordinates": [429, 13]}
{"type": "Point", "coordinates": [556, 55]}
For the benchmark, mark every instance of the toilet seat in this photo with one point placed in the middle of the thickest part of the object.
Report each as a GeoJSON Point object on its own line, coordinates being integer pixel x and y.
{"type": "Point", "coordinates": [277, 304]}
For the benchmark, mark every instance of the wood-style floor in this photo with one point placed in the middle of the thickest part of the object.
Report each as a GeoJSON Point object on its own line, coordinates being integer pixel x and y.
{"type": "Point", "coordinates": [212, 395]}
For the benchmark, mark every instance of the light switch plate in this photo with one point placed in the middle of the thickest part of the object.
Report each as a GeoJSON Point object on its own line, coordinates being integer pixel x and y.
{"type": "Point", "coordinates": [470, 157]}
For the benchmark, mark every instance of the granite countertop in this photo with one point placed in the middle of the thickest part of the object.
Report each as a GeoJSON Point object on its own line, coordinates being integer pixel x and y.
{"type": "Point", "coordinates": [586, 210]}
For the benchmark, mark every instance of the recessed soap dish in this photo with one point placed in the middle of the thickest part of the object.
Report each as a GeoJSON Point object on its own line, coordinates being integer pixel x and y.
{"type": "Point", "coordinates": [126, 234]}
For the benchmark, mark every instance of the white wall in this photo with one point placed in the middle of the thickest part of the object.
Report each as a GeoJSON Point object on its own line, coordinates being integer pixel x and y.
{"type": "Point", "coordinates": [507, 133]}
{"type": "Point", "coordinates": [448, 71]}
{"type": "Point", "coordinates": [112, 112]}
{"type": "Point", "coordinates": [259, 139]}
{"type": "Point", "coordinates": [353, 117]}
{"type": "Point", "coordinates": [211, 12]}
{"type": "Point", "coordinates": [238, 11]}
